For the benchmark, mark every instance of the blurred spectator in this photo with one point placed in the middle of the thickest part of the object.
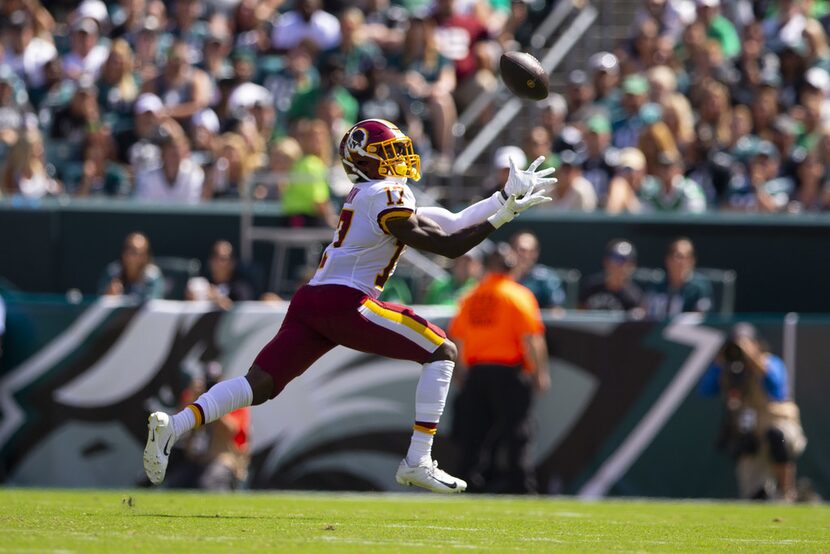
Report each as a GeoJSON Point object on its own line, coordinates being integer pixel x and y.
{"type": "Point", "coordinates": [134, 275]}
{"type": "Point", "coordinates": [457, 38]}
{"type": "Point", "coordinates": [215, 58]}
{"type": "Point", "coordinates": [626, 130]}
{"type": "Point", "coordinates": [682, 290]}
{"type": "Point", "coordinates": [429, 80]}
{"type": "Point", "coordinates": [539, 143]}
{"type": "Point", "coordinates": [234, 165]}
{"type": "Point", "coordinates": [503, 361]}
{"type": "Point", "coordinates": [573, 192]}
{"type": "Point", "coordinates": [81, 116]}
{"type": "Point", "coordinates": [223, 283]}
{"type": "Point", "coordinates": [306, 199]}
{"type": "Point", "coordinates": [553, 111]}
{"type": "Point", "coordinates": [50, 92]}
{"type": "Point", "coordinates": [760, 189]}
{"type": "Point", "coordinates": [464, 275]}
{"type": "Point", "coordinates": [98, 174]}
{"type": "Point", "coordinates": [643, 50]}
{"type": "Point", "coordinates": [86, 55]}
{"type": "Point", "coordinates": [204, 136]}
{"type": "Point", "coordinates": [179, 179]}
{"type": "Point", "coordinates": [117, 87]}
{"type": "Point", "coordinates": [718, 27]}
{"type": "Point", "coordinates": [127, 18]}
{"type": "Point", "coordinates": [580, 96]}
{"type": "Point", "coordinates": [665, 13]}
{"type": "Point", "coordinates": [304, 104]}
{"type": "Point", "coordinates": [813, 192]}
{"type": "Point", "coordinates": [297, 75]}
{"type": "Point", "coordinates": [715, 113]}
{"type": "Point", "coordinates": [252, 107]}
{"type": "Point", "coordinates": [136, 145]}
{"type": "Point", "coordinates": [285, 153]}
{"type": "Point", "coordinates": [655, 137]}
{"type": "Point", "coordinates": [307, 21]}
{"type": "Point", "coordinates": [183, 88]}
{"type": "Point", "coordinates": [680, 120]}
{"type": "Point", "coordinates": [613, 290]}
{"type": "Point", "coordinates": [149, 44]}
{"type": "Point", "coordinates": [386, 101]}
{"type": "Point", "coordinates": [605, 76]}
{"type": "Point", "coordinates": [42, 21]}
{"type": "Point", "coordinates": [188, 26]}
{"type": "Point", "coordinates": [600, 157]}
{"type": "Point", "coordinates": [786, 24]}
{"type": "Point", "coordinates": [25, 52]}
{"type": "Point", "coordinates": [669, 191]}
{"type": "Point", "coordinates": [624, 188]}
{"type": "Point", "coordinates": [542, 281]}
{"type": "Point", "coordinates": [359, 53]}
{"type": "Point", "coordinates": [24, 172]}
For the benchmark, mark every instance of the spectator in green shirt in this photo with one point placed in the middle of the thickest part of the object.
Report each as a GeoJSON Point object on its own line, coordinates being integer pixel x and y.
{"type": "Point", "coordinates": [306, 198]}
{"type": "Point", "coordinates": [718, 27]}
{"type": "Point", "coordinates": [466, 272]}
{"type": "Point", "coordinates": [668, 190]}
{"type": "Point", "coordinates": [682, 290]}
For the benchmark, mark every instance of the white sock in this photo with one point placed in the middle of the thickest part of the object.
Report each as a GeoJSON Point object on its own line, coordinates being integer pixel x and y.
{"type": "Point", "coordinates": [430, 397]}
{"type": "Point", "coordinates": [221, 399]}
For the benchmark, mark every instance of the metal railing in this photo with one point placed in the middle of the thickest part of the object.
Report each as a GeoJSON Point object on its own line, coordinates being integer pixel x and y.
{"type": "Point", "coordinates": [510, 110]}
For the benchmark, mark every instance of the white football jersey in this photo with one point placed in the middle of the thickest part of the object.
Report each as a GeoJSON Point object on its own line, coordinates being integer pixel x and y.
{"type": "Point", "coordinates": [363, 255]}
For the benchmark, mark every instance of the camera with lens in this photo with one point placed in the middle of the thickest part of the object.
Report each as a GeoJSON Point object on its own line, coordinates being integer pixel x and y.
{"type": "Point", "coordinates": [737, 434]}
{"type": "Point", "coordinates": [735, 365]}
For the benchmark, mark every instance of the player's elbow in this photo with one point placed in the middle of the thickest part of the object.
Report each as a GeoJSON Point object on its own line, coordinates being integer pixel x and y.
{"type": "Point", "coordinates": [454, 251]}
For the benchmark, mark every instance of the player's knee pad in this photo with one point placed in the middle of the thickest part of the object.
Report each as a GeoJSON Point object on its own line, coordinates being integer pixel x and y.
{"type": "Point", "coordinates": [777, 445]}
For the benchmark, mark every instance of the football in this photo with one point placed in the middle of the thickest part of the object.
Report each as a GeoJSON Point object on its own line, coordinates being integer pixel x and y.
{"type": "Point", "coordinates": [524, 75]}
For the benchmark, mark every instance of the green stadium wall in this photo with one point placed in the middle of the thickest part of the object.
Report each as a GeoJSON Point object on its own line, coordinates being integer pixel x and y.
{"type": "Point", "coordinates": [782, 261]}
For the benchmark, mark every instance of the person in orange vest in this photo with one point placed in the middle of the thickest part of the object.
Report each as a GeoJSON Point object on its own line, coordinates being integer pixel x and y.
{"type": "Point", "coordinates": [503, 359]}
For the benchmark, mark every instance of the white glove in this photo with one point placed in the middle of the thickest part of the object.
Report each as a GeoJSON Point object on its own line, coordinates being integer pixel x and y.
{"type": "Point", "coordinates": [521, 182]}
{"type": "Point", "coordinates": [514, 206]}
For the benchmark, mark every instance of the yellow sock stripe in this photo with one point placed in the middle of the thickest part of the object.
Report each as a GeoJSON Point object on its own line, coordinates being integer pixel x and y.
{"type": "Point", "coordinates": [398, 317]}
{"type": "Point", "coordinates": [425, 430]}
{"type": "Point", "coordinates": [197, 414]}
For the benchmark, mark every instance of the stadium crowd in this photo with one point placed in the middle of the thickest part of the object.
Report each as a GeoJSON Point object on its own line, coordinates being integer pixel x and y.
{"type": "Point", "coordinates": [704, 107]}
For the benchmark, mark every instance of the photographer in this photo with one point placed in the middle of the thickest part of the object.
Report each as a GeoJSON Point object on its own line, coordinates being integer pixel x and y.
{"type": "Point", "coordinates": [761, 425]}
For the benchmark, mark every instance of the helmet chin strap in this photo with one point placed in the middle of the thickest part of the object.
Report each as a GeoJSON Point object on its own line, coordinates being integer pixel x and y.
{"type": "Point", "coordinates": [357, 173]}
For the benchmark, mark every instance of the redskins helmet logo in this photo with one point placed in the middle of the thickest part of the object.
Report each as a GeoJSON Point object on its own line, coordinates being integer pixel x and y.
{"type": "Point", "coordinates": [357, 140]}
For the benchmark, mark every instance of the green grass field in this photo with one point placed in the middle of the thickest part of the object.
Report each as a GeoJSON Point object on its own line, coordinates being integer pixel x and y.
{"type": "Point", "coordinates": [153, 521]}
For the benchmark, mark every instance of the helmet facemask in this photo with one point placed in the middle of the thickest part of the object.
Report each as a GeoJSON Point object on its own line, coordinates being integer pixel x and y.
{"type": "Point", "coordinates": [397, 158]}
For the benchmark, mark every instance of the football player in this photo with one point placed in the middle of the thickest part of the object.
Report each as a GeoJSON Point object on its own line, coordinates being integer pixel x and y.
{"type": "Point", "coordinates": [339, 306]}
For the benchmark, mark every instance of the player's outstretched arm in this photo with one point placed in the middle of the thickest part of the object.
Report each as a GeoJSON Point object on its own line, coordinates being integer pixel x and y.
{"type": "Point", "coordinates": [422, 233]}
{"type": "Point", "coordinates": [519, 183]}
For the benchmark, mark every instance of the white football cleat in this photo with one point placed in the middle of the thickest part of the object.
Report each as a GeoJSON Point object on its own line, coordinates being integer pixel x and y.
{"type": "Point", "coordinates": [429, 477]}
{"type": "Point", "coordinates": [160, 440]}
